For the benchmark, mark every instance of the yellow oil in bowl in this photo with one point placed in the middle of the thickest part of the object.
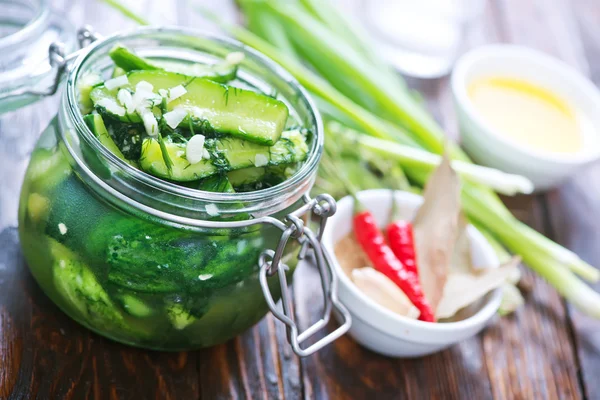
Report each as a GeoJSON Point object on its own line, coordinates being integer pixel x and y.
{"type": "Point", "coordinates": [527, 114]}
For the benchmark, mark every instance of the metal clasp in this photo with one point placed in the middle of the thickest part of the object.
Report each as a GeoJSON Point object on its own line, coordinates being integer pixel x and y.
{"type": "Point", "coordinates": [59, 61]}
{"type": "Point", "coordinates": [270, 265]}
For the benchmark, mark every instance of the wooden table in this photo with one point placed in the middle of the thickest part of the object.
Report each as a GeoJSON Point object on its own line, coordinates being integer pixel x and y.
{"type": "Point", "coordinates": [546, 350]}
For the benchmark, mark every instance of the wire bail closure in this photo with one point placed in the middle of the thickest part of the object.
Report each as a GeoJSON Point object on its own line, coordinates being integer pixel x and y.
{"type": "Point", "coordinates": [270, 265]}
{"type": "Point", "coordinates": [270, 261]}
{"type": "Point", "coordinates": [59, 61]}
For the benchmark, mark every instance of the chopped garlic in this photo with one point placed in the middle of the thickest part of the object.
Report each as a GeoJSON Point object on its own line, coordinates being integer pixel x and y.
{"type": "Point", "coordinates": [144, 86]}
{"type": "Point", "coordinates": [383, 291]}
{"type": "Point", "coordinates": [111, 106]}
{"type": "Point", "coordinates": [204, 277]}
{"type": "Point", "coordinates": [235, 58]}
{"type": "Point", "coordinates": [150, 123]}
{"type": "Point", "coordinates": [174, 118]}
{"type": "Point", "coordinates": [163, 93]}
{"type": "Point", "coordinates": [260, 160]}
{"type": "Point", "coordinates": [212, 210]}
{"type": "Point", "coordinates": [195, 149]}
{"type": "Point", "coordinates": [197, 112]}
{"type": "Point", "coordinates": [144, 100]}
{"type": "Point", "coordinates": [206, 154]}
{"type": "Point", "coordinates": [126, 100]}
{"type": "Point", "coordinates": [62, 228]}
{"type": "Point", "coordinates": [176, 92]}
{"type": "Point", "coordinates": [116, 82]}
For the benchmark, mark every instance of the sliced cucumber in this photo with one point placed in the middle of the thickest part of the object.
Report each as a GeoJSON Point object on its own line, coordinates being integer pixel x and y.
{"type": "Point", "coordinates": [217, 183]}
{"type": "Point", "coordinates": [226, 154]}
{"type": "Point", "coordinates": [127, 60]}
{"type": "Point", "coordinates": [260, 177]}
{"type": "Point", "coordinates": [47, 168]}
{"type": "Point", "coordinates": [229, 154]}
{"type": "Point", "coordinates": [85, 86]}
{"type": "Point", "coordinates": [152, 161]}
{"type": "Point", "coordinates": [222, 72]}
{"type": "Point", "coordinates": [96, 125]}
{"type": "Point", "coordinates": [134, 306]}
{"type": "Point", "coordinates": [241, 113]}
{"type": "Point", "coordinates": [247, 175]}
{"type": "Point", "coordinates": [38, 207]}
{"type": "Point", "coordinates": [118, 71]}
{"type": "Point", "coordinates": [180, 317]}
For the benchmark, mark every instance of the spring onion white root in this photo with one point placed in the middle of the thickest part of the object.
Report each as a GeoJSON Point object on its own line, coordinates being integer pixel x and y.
{"type": "Point", "coordinates": [499, 181]}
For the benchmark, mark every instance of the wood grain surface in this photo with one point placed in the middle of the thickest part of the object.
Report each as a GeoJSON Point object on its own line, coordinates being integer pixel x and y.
{"type": "Point", "coordinates": [547, 350]}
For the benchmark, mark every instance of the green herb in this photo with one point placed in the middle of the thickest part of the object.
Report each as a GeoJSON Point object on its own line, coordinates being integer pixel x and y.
{"type": "Point", "coordinates": [165, 153]}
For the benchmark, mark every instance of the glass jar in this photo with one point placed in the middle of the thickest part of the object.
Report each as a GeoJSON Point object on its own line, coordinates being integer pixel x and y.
{"type": "Point", "coordinates": [27, 29]}
{"type": "Point", "coordinates": [153, 264]}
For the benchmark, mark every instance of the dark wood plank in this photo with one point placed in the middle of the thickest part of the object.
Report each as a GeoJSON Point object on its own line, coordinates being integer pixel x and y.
{"type": "Point", "coordinates": [536, 364]}
{"type": "Point", "coordinates": [256, 365]}
{"type": "Point", "coordinates": [530, 354]}
{"type": "Point", "coordinates": [574, 210]}
{"type": "Point", "coordinates": [345, 370]}
{"type": "Point", "coordinates": [44, 354]}
{"type": "Point", "coordinates": [571, 30]}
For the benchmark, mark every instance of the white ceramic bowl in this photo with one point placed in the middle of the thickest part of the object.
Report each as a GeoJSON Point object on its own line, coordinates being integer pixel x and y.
{"type": "Point", "coordinates": [383, 331]}
{"type": "Point", "coordinates": [491, 148]}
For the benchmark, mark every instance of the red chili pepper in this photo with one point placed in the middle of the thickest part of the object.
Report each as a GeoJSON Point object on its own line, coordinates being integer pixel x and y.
{"type": "Point", "coordinates": [381, 255]}
{"type": "Point", "coordinates": [401, 240]}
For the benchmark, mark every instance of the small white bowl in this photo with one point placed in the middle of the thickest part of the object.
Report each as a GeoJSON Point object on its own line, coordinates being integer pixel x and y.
{"type": "Point", "coordinates": [491, 148]}
{"type": "Point", "coordinates": [383, 331]}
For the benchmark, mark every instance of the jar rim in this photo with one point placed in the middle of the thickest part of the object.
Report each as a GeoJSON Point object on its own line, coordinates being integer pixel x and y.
{"type": "Point", "coordinates": [74, 114]}
{"type": "Point", "coordinates": [38, 22]}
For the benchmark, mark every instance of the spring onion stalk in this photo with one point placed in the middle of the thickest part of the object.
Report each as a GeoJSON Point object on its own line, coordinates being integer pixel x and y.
{"type": "Point", "coordinates": [524, 241]}
{"type": "Point", "coordinates": [561, 254]}
{"type": "Point", "coordinates": [317, 85]}
{"type": "Point", "coordinates": [263, 24]}
{"type": "Point", "coordinates": [481, 198]}
{"type": "Point", "coordinates": [387, 173]}
{"type": "Point", "coordinates": [520, 239]}
{"type": "Point", "coordinates": [327, 56]}
{"type": "Point", "coordinates": [353, 33]}
{"type": "Point", "coordinates": [501, 252]}
{"type": "Point", "coordinates": [411, 157]}
{"type": "Point", "coordinates": [488, 209]}
{"type": "Point", "coordinates": [333, 57]}
{"type": "Point", "coordinates": [116, 4]}
{"type": "Point", "coordinates": [511, 295]}
{"type": "Point", "coordinates": [338, 23]}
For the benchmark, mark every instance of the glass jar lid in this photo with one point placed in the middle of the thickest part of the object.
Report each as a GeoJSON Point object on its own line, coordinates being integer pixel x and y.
{"type": "Point", "coordinates": [27, 30]}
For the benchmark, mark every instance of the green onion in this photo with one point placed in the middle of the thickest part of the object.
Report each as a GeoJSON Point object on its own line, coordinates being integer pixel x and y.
{"type": "Point", "coordinates": [338, 61]}
{"type": "Point", "coordinates": [410, 157]}
{"type": "Point", "coordinates": [367, 97]}
{"type": "Point", "coordinates": [263, 24]}
{"type": "Point", "coordinates": [126, 11]}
